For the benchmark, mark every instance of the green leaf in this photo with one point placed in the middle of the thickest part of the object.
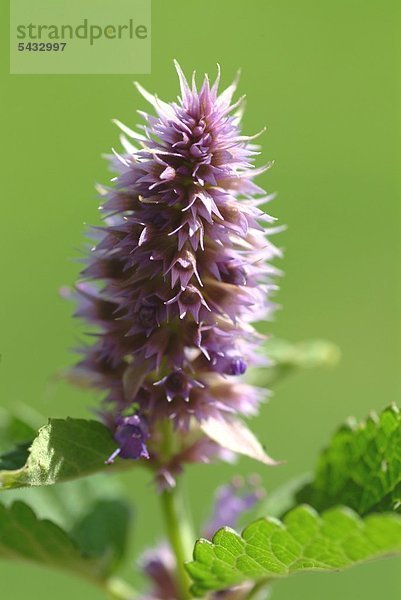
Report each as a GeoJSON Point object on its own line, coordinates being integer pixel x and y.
{"type": "Point", "coordinates": [89, 512]}
{"type": "Point", "coordinates": [288, 358]}
{"type": "Point", "coordinates": [14, 430]}
{"type": "Point", "coordinates": [303, 541]}
{"type": "Point", "coordinates": [25, 537]}
{"type": "Point", "coordinates": [91, 525]}
{"type": "Point", "coordinates": [102, 532]}
{"type": "Point", "coordinates": [16, 458]}
{"type": "Point", "coordinates": [16, 435]}
{"type": "Point", "coordinates": [67, 503]}
{"type": "Point", "coordinates": [64, 449]}
{"type": "Point", "coordinates": [361, 468]}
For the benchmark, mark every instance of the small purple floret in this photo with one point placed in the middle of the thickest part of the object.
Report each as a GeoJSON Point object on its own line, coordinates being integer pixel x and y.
{"type": "Point", "coordinates": [131, 434]}
{"type": "Point", "coordinates": [231, 501]}
{"type": "Point", "coordinates": [237, 366]}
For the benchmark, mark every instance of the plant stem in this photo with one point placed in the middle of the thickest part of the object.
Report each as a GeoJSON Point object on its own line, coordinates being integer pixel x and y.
{"type": "Point", "coordinates": [177, 528]}
{"type": "Point", "coordinates": [118, 589]}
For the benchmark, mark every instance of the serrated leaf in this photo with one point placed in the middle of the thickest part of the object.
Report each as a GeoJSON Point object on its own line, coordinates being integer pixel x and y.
{"type": "Point", "coordinates": [25, 537]}
{"type": "Point", "coordinates": [303, 541]}
{"type": "Point", "coordinates": [63, 449]}
{"type": "Point", "coordinates": [361, 467]}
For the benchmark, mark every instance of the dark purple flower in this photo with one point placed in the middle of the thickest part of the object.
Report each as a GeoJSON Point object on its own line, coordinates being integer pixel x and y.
{"type": "Point", "coordinates": [180, 271]}
{"type": "Point", "coordinates": [131, 434]}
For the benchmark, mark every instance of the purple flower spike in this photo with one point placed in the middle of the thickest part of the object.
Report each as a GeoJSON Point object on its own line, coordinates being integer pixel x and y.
{"type": "Point", "coordinates": [181, 271]}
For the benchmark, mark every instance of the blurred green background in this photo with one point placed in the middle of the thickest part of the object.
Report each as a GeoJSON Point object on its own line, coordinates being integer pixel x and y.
{"type": "Point", "coordinates": [324, 78]}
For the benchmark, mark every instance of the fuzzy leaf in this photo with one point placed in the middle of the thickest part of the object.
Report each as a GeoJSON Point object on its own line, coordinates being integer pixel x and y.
{"type": "Point", "coordinates": [63, 449]}
{"type": "Point", "coordinates": [25, 537]}
{"type": "Point", "coordinates": [361, 468]}
{"type": "Point", "coordinates": [303, 541]}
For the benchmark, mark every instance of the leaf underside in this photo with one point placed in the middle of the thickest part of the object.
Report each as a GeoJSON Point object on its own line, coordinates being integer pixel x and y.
{"type": "Point", "coordinates": [303, 541]}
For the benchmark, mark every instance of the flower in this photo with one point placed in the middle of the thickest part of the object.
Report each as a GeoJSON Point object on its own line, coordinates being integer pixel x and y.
{"type": "Point", "coordinates": [231, 502]}
{"type": "Point", "coordinates": [131, 433]}
{"type": "Point", "coordinates": [178, 272]}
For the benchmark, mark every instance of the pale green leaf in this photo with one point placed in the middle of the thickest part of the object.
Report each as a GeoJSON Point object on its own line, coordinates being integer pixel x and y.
{"type": "Point", "coordinates": [303, 541]}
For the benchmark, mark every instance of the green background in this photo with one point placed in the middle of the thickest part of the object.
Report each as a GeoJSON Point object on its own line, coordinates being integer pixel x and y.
{"type": "Point", "coordinates": [323, 76]}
